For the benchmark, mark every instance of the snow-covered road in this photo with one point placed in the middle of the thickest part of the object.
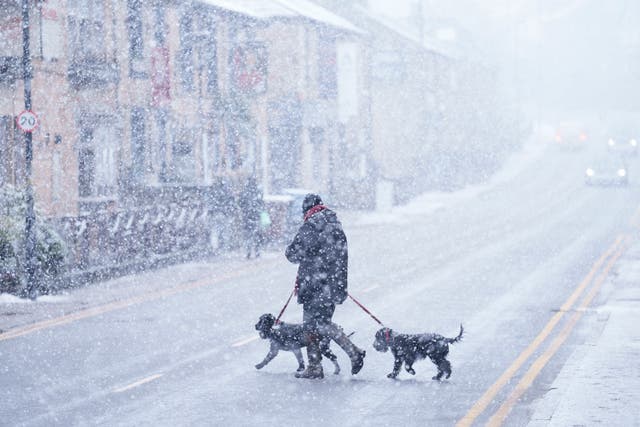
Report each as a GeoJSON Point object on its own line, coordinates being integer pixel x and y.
{"type": "Point", "coordinates": [511, 261]}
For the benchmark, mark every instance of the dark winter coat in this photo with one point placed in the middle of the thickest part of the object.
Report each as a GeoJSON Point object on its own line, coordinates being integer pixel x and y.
{"type": "Point", "coordinates": [251, 205]}
{"type": "Point", "coordinates": [320, 249]}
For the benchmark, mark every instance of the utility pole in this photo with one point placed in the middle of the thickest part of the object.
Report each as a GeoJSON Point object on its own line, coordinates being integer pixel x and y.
{"type": "Point", "coordinates": [30, 237]}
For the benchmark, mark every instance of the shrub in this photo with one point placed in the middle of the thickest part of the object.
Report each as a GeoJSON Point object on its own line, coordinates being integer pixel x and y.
{"type": "Point", "coordinates": [50, 249]}
{"type": "Point", "coordinates": [9, 280]}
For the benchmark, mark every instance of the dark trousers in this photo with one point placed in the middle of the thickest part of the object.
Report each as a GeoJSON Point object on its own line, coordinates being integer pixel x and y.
{"type": "Point", "coordinates": [252, 239]}
{"type": "Point", "coordinates": [317, 324]}
{"type": "Point", "coordinates": [316, 316]}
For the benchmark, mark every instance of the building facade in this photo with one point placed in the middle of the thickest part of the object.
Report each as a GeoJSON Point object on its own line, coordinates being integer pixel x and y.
{"type": "Point", "coordinates": [152, 114]}
{"type": "Point", "coordinates": [134, 94]}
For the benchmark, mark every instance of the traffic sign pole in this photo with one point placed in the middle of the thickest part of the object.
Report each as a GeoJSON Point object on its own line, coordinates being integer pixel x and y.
{"type": "Point", "coordinates": [30, 220]}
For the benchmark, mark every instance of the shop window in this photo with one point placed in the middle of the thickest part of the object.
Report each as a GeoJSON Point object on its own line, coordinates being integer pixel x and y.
{"type": "Point", "coordinates": [185, 54]}
{"type": "Point", "coordinates": [86, 172]}
{"type": "Point", "coordinates": [90, 65]}
{"type": "Point", "coordinates": [327, 70]}
{"type": "Point", "coordinates": [51, 30]}
{"type": "Point", "coordinates": [106, 169]}
{"type": "Point", "coordinates": [97, 162]}
{"type": "Point", "coordinates": [248, 64]}
{"type": "Point", "coordinates": [136, 42]}
{"type": "Point", "coordinates": [86, 28]}
{"type": "Point", "coordinates": [183, 157]}
{"type": "Point", "coordinates": [137, 144]}
{"type": "Point", "coordinates": [160, 24]}
{"type": "Point", "coordinates": [209, 53]}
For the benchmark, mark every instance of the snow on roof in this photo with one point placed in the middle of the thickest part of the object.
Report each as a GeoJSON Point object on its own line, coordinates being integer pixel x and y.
{"type": "Point", "coordinates": [264, 9]}
{"type": "Point", "coordinates": [429, 43]}
{"type": "Point", "coordinates": [319, 14]}
{"type": "Point", "coordinates": [259, 9]}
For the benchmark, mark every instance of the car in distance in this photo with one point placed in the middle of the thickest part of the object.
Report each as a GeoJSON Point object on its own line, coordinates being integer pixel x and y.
{"type": "Point", "coordinates": [607, 170]}
{"type": "Point", "coordinates": [623, 145]}
{"type": "Point", "coordinates": [570, 136]}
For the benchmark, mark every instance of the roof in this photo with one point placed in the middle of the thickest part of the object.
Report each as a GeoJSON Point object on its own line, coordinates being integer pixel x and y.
{"type": "Point", "coordinates": [429, 43]}
{"type": "Point", "coordinates": [258, 9]}
{"type": "Point", "coordinates": [265, 9]}
{"type": "Point", "coordinates": [319, 14]}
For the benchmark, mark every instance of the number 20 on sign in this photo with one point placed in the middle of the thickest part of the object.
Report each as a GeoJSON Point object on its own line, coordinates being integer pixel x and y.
{"type": "Point", "coordinates": [27, 121]}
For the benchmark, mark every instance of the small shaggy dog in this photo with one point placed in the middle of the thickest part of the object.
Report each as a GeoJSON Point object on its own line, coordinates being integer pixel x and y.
{"type": "Point", "coordinates": [409, 348]}
{"type": "Point", "coordinates": [290, 337]}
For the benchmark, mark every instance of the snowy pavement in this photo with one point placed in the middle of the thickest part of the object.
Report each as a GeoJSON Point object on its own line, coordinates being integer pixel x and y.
{"type": "Point", "coordinates": [600, 384]}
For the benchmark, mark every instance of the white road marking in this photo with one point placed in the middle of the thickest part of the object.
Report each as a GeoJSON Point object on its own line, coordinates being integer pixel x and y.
{"type": "Point", "coordinates": [137, 383]}
{"type": "Point", "coordinates": [244, 341]}
{"type": "Point", "coordinates": [370, 288]}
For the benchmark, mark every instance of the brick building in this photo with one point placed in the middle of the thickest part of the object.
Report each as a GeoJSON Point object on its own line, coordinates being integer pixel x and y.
{"type": "Point", "coordinates": [147, 108]}
{"type": "Point", "coordinates": [134, 94]}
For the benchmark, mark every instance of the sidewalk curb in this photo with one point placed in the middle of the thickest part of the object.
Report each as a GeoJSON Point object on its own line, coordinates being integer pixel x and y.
{"type": "Point", "coordinates": [600, 382]}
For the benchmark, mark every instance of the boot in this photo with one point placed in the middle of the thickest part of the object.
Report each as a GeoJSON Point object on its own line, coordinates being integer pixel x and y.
{"type": "Point", "coordinates": [311, 373]}
{"type": "Point", "coordinates": [314, 368]}
{"type": "Point", "coordinates": [355, 354]}
{"type": "Point", "coordinates": [357, 362]}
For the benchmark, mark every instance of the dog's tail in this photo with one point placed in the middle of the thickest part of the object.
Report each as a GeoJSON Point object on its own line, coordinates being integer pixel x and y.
{"type": "Point", "coordinates": [456, 339]}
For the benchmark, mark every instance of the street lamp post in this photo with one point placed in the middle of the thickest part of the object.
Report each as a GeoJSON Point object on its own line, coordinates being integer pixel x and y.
{"type": "Point", "coordinates": [30, 238]}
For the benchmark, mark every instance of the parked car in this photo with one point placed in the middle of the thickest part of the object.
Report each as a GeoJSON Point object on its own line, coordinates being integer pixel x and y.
{"type": "Point", "coordinates": [607, 170]}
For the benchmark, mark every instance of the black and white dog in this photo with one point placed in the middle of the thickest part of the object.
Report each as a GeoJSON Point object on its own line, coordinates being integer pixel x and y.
{"type": "Point", "coordinates": [289, 337]}
{"type": "Point", "coordinates": [409, 348]}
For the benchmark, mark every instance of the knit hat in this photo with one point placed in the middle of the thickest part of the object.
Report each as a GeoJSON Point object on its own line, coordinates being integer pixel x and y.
{"type": "Point", "coordinates": [310, 200]}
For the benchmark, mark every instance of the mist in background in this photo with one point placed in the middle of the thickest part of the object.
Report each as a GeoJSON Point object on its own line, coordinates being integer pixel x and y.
{"type": "Point", "coordinates": [554, 55]}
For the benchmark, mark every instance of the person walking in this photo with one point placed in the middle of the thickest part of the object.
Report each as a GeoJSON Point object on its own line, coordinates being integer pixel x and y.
{"type": "Point", "coordinates": [320, 250]}
{"type": "Point", "coordinates": [251, 206]}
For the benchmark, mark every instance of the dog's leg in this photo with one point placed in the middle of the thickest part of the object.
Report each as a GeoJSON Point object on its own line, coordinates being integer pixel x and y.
{"type": "Point", "coordinates": [408, 366]}
{"type": "Point", "coordinates": [273, 352]}
{"type": "Point", "coordinates": [445, 366]}
{"type": "Point", "coordinates": [409, 359]}
{"type": "Point", "coordinates": [397, 364]}
{"type": "Point", "coordinates": [299, 358]}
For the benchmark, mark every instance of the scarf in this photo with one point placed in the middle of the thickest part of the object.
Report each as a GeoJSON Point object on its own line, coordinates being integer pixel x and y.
{"type": "Point", "coordinates": [313, 210]}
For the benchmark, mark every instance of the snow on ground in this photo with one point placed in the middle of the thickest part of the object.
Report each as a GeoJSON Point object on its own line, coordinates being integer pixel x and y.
{"type": "Point", "coordinates": [12, 299]}
{"type": "Point", "coordinates": [434, 201]}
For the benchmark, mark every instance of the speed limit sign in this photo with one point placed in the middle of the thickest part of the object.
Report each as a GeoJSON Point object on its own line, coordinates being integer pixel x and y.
{"type": "Point", "coordinates": [27, 121]}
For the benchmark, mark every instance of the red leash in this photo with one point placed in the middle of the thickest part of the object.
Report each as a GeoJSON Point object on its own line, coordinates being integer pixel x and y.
{"type": "Point", "coordinates": [386, 330]}
{"type": "Point", "coordinates": [294, 291]}
{"type": "Point", "coordinates": [366, 311]}
{"type": "Point", "coordinates": [287, 303]}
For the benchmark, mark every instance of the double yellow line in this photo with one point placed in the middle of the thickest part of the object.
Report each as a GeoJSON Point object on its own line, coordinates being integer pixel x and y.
{"type": "Point", "coordinates": [610, 257]}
